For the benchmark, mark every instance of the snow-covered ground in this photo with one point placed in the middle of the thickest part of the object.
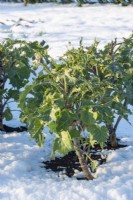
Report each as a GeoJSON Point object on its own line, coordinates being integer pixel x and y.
{"type": "Point", "coordinates": [59, 24]}
{"type": "Point", "coordinates": [21, 174]}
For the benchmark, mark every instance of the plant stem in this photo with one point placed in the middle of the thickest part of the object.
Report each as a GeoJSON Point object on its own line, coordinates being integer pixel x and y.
{"type": "Point", "coordinates": [25, 2]}
{"type": "Point", "coordinates": [120, 117]}
{"type": "Point", "coordinates": [112, 129]}
{"type": "Point", "coordinates": [112, 135]}
{"type": "Point", "coordinates": [82, 160]}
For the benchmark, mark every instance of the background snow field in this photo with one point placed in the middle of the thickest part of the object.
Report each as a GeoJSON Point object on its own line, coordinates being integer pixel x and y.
{"type": "Point", "coordinates": [22, 176]}
{"type": "Point", "coordinates": [60, 24]}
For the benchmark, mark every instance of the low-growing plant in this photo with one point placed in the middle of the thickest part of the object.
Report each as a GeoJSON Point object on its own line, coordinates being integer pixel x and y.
{"type": "Point", "coordinates": [31, 1]}
{"type": "Point", "coordinates": [80, 2]}
{"type": "Point", "coordinates": [122, 65]}
{"type": "Point", "coordinates": [15, 68]}
{"type": "Point", "coordinates": [81, 93]}
{"type": "Point", "coordinates": [122, 2]}
{"type": "Point", "coordinates": [115, 64]}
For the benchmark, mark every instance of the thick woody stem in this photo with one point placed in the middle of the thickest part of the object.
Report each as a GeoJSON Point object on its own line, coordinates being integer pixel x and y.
{"type": "Point", "coordinates": [112, 135]}
{"type": "Point", "coordinates": [112, 129]}
{"type": "Point", "coordinates": [82, 160]}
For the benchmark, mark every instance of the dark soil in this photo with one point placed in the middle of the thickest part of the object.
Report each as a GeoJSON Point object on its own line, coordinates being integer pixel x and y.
{"type": "Point", "coordinates": [9, 129]}
{"type": "Point", "coordinates": [69, 163]}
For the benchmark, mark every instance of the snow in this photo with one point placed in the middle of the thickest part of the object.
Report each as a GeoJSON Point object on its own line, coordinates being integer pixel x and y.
{"type": "Point", "coordinates": [22, 176]}
{"type": "Point", "coordinates": [60, 24]}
